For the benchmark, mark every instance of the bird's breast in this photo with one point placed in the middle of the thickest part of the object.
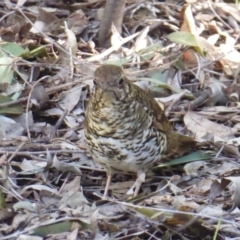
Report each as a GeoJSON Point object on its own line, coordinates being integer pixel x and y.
{"type": "Point", "coordinates": [123, 137]}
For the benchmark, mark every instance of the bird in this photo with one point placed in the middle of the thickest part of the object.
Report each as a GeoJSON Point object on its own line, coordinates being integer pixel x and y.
{"type": "Point", "coordinates": [126, 129]}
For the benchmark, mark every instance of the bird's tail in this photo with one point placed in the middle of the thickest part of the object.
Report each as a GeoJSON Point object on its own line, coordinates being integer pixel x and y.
{"type": "Point", "coordinates": [179, 144]}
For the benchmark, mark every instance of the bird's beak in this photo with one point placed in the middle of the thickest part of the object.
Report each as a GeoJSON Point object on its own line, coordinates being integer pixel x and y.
{"type": "Point", "coordinates": [108, 93]}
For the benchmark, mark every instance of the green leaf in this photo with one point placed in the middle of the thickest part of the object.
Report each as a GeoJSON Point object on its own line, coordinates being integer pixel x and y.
{"type": "Point", "coordinates": [35, 51]}
{"type": "Point", "coordinates": [6, 71]}
{"type": "Point", "coordinates": [196, 156]}
{"type": "Point", "coordinates": [12, 109]}
{"type": "Point", "coordinates": [151, 213]}
{"type": "Point", "coordinates": [3, 204]}
{"type": "Point", "coordinates": [217, 228]}
{"type": "Point", "coordinates": [12, 48]}
{"type": "Point", "coordinates": [187, 39]}
{"type": "Point", "coordinates": [59, 227]}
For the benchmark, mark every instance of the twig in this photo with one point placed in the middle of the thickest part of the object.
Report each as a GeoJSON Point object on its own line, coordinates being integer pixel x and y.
{"type": "Point", "coordinates": [113, 48]}
{"type": "Point", "coordinates": [16, 152]}
{"type": "Point", "coordinates": [49, 39]}
{"type": "Point", "coordinates": [57, 125]}
{"type": "Point", "coordinates": [28, 102]}
{"type": "Point", "coordinates": [195, 103]}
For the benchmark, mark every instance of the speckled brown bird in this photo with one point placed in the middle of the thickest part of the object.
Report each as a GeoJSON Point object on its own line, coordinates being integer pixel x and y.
{"type": "Point", "coordinates": [125, 128]}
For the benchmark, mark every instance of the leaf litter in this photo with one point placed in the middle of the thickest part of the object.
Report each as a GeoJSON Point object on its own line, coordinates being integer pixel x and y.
{"type": "Point", "coordinates": [185, 54]}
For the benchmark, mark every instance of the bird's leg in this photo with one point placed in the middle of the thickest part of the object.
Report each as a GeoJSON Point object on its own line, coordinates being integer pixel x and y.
{"type": "Point", "coordinates": [140, 180]}
{"type": "Point", "coordinates": [109, 179]}
{"type": "Point", "coordinates": [137, 184]}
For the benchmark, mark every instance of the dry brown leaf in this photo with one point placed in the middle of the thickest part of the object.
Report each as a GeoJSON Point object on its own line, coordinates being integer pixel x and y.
{"type": "Point", "coordinates": [235, 188]}
{"type": "Point", "coordinates": [203, 127]}
{"type": "Point", "coordinates": [192, 169]}
{"type": "Point", "coordinates": [188, 24]}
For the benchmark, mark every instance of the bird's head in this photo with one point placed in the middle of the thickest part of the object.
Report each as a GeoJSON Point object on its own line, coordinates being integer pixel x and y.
{"type": "Point", "coordinates": [110, 84]}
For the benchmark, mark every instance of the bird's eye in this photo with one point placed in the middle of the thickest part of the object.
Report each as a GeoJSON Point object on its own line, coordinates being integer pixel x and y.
{"type": "Point", "coordinates": [95, 83]}
{"type": "Point", "coordinates": [120, 82]}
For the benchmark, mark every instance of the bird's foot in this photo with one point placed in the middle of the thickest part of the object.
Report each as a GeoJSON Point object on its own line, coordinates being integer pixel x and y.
{"type": "Point", "coordinates": [137, 185]}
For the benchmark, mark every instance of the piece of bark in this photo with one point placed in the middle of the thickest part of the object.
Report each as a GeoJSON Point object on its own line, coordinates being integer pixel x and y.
{"type": "Point", "coordinates": [113, 12]}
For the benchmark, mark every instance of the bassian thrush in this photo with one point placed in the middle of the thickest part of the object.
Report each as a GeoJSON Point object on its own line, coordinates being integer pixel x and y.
{"type": "Point", "coordinates": [126, 129]}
